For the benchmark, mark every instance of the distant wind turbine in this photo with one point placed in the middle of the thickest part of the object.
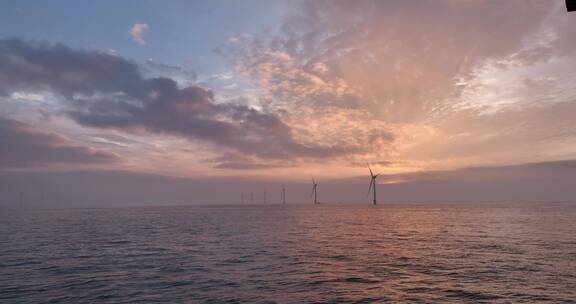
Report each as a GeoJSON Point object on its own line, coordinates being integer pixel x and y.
{"type": "Point", "coordinates": [314, 191]}
{"type": "Point", "coordinates": [283, 195]}
{"type": "Point", "coordinates": [372, 185]}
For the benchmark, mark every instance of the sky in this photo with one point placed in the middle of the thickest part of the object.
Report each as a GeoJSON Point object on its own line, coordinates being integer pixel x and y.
{"type": "Point", "coordinates": [198, 101]}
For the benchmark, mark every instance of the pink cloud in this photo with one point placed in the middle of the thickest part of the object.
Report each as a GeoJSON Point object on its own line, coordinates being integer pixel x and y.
{"type": "Point", "coordinates": [137, 32]}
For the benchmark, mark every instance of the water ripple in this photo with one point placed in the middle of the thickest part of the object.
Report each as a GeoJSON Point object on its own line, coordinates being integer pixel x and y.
{"type": "Point", "coordinates": [320, 254]}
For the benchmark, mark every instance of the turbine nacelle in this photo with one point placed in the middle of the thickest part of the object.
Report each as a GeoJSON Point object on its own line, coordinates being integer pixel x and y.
{"type": "Point", "coordinates": [372, 173]}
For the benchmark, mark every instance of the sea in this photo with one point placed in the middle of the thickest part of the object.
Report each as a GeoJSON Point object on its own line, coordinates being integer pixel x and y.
{"type": "Point", "coordinates": [328, 253]}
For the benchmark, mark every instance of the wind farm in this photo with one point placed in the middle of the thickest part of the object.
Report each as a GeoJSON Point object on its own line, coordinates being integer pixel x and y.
{"type": "Point", "coordinates": [314, 195]}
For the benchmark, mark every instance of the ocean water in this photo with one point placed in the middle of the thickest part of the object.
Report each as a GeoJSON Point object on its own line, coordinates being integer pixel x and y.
{"type": "Point", "coordinates": [290, 254]}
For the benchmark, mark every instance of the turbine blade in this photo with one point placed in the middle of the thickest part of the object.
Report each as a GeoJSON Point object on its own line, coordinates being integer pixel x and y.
{"type": "Point", "coordinates": [371, 174]}
{"type": "Point", "coordinates": [313, 188]}
{"type": "Point", "coordinates": [370, 187]}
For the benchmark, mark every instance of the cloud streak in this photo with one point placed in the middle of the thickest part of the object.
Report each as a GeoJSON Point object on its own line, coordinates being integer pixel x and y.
{"type": "Point", "coordinates": [23, 146]}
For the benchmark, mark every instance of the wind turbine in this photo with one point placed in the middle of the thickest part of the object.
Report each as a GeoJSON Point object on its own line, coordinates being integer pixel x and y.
{"type": "Point", "coordinates": [314, 190]}
{"type": "Point", "coordinates": [372, 185]}
{"type": "Point", "coordinates": [283, 195]}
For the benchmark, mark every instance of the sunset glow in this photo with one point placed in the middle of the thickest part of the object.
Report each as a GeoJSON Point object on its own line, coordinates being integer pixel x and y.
{"type": "Point", "coordinates": [308, 88]}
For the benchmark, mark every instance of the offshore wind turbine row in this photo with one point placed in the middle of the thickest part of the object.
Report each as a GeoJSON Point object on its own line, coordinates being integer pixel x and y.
{"type": "Point", "coordinates": [314, 192]}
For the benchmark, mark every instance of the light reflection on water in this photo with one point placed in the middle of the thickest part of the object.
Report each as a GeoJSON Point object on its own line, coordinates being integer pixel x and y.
{"type": "Point", "coordinates": [291, 254]}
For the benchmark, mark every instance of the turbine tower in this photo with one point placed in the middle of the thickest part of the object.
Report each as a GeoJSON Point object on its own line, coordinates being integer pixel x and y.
{"type": "Point", "coordinates": [372, 185]}
{"type": "Point", "coordinates": [283, 195]}
{"type": "Point", "coordinates": [314, 191]}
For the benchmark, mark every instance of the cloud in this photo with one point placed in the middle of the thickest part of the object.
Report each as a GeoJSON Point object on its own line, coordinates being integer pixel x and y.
{"type": "Point", "coordinates": [170, 70]}
{"type": "Point", "coordinates": [243, 166]}
{"type": "Point", "coordinates": [346, 83]}
{"type": "Point", "coordinates": [454, 93]}
{"type": "Point", "coordinates": [105, 91]}
{"type": "Point", "coordinates": [137, 32]}
{"type": "Point", "coordinates": [377, 55]}
{"type": "Point", "coordinates": [22, 146]}
{"type": "Point", "coordinates": [383, 163]}
{"type": "Point", "coordinates": [235, 161]}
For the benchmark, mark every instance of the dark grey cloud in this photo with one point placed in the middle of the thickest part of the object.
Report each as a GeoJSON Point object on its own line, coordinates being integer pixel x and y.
{"type": "Point", "coordinates": [106, 91]}
{"type": "Point", "coordinates": [22, 146]}
{"type": "Point", "coordinates": [171, 69]}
